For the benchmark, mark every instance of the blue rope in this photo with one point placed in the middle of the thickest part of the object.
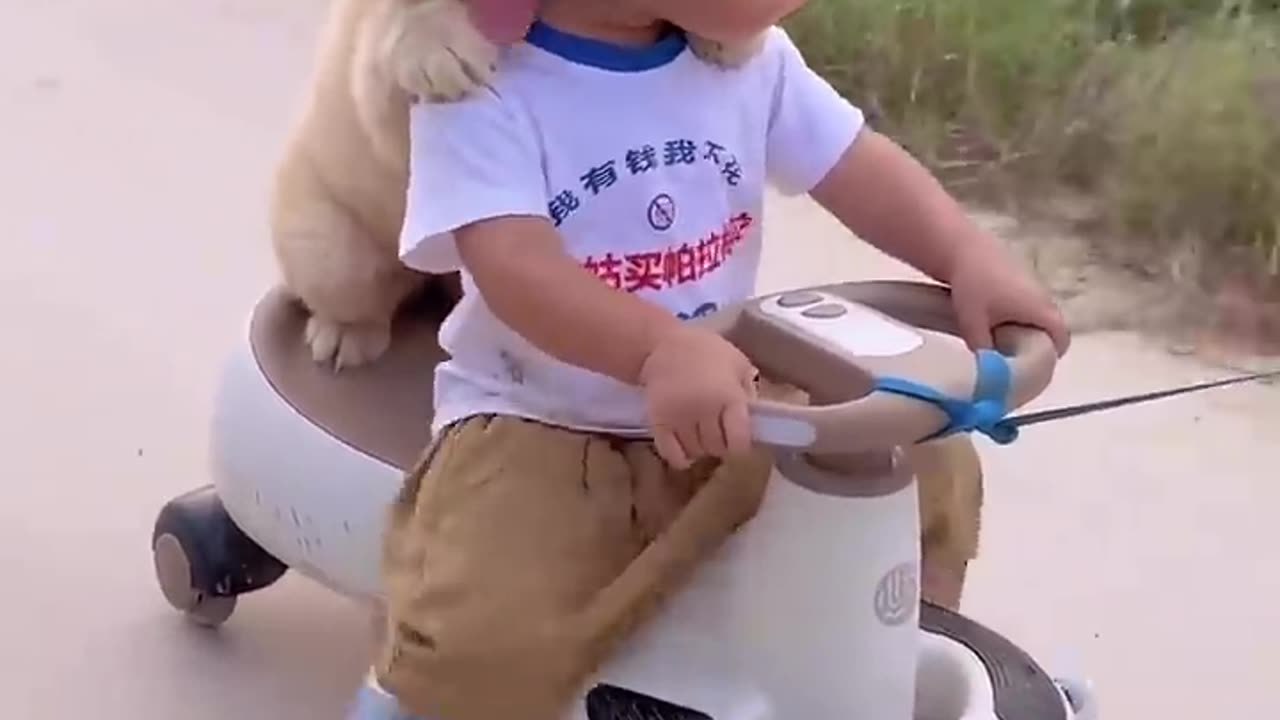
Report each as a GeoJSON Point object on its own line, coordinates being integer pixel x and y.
{"type": "Point", "coordinates": [986, 412]}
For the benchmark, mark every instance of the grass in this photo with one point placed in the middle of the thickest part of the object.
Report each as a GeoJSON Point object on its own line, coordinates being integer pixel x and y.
{"type": "Point", "coordinates": [1166, 113]}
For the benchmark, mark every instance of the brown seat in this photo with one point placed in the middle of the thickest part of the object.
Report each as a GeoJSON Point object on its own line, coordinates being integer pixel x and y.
{"type": "Point", "coordinates": [382, 409]}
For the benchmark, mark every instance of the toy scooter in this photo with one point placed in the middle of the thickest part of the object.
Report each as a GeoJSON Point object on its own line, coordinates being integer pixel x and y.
{"type": "Point", "coordinates": [812, 610]}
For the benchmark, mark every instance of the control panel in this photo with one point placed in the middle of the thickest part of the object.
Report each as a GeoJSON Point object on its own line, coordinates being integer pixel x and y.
{"type": "Point", "coordinates": [856, 329]}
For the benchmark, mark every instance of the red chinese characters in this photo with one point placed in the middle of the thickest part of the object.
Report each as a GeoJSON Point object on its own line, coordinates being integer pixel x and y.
{"type": "Point", "coordinates": [607, 268]}
{"type": "Point", "coordinates": [674, 265]}
{"type": "Point", "coordinates": [644, 271]}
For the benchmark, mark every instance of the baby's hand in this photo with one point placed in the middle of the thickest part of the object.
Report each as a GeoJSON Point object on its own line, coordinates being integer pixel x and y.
{"type": "Point", "coordinates": [988, 290]}
{"type": "Point", "coordinates": [697, 385]}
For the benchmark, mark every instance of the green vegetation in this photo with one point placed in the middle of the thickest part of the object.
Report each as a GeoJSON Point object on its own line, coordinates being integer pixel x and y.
{"type": "Point", "coordinates": [1166, 113]}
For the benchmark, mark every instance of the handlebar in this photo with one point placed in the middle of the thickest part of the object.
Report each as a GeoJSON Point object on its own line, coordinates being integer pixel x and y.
{"type": "Point", "coordinates": [882, 363]}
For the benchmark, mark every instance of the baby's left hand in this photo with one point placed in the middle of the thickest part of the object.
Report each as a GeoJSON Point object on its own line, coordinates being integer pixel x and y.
{"type": "Point", "coordinates": [989, 290]}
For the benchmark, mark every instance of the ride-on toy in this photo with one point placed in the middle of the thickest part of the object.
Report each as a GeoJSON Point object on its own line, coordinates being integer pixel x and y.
{"type": "Point", "coordinates": [810, 612]}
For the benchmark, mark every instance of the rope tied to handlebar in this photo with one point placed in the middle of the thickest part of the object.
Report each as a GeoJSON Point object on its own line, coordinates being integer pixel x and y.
{"type": "Point", "coordinates": [986, 412]}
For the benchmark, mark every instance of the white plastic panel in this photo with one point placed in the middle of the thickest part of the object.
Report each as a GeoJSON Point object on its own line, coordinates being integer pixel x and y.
{"type": "Point", "coordinates": [855, 328]}
{"type": "Point", "coordinates": [314, 502]}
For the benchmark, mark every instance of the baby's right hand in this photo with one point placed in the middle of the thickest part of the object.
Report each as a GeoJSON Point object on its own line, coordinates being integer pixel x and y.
{"type": "Point", "coordinates": [697, 385]}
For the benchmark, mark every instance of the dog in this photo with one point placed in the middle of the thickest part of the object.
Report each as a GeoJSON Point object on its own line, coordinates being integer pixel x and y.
{"type": "Point", "coordinates": [338, 192]}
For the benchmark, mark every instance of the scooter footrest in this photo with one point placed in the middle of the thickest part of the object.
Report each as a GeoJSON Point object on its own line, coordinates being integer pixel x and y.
{"type": "Point", "coordinates": [610, 702]}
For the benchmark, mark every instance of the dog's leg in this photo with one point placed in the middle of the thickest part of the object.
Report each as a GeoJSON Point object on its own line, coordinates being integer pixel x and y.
{"type": "Point", "coordinates": [435, 52]}
{"type": "Point", "coordinates": [349, 335]}
{"type": "Point", "coordinates": [950, 480]}
{"type": "Point", "coordinates": [351, 284]}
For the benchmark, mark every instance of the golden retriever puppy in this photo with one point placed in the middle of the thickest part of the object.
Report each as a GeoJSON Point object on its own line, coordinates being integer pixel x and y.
{"type": "Point", "coordinates": [337, 198]}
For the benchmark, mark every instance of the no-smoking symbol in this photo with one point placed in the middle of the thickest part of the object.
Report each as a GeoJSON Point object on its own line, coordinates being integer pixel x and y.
{"type": "Point", "coordinates": [662, 212]}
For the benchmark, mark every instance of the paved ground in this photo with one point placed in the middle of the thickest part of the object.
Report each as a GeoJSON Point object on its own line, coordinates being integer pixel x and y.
{"type": "Point", "coordinates": [136, 140]}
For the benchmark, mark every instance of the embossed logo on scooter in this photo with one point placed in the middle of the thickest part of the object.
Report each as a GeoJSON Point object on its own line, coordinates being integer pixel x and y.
{"type": "Point", "coordinates": [897, 595]}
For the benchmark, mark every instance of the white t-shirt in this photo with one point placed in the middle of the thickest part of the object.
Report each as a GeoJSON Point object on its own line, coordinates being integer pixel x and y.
{"type": "Point", "coordinates": [652, 165]}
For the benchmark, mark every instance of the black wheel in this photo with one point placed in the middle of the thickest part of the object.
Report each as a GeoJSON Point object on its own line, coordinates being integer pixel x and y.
{"type": "Point", "coordinates": [175, 573]}
{"type": "Point", "coordinates": [1022, 688]}
{"type": "Point", "coordinates": [203, 562]}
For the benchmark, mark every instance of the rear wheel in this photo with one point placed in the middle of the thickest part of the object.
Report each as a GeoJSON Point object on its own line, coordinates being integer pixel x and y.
{"type": "Point", "coordinates": [203, 561]}
{"type": "Point", "coordinates": [173, 571]}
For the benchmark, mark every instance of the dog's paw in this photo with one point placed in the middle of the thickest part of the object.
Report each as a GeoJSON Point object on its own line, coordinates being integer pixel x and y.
{"type": "Point", "coordinates": [436, 53]}
{"type": "Point", "coordinates": [342, 346]}
{"type": "Point", "coordinates": [726, 55]}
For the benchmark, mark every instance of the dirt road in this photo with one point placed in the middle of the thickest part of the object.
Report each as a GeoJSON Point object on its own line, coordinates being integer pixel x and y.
{"type": "Point", "coordinates": [137, 137]}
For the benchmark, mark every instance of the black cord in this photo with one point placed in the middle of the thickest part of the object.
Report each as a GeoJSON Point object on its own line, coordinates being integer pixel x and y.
{"type": "Point", "coordinates": [1074, 410]}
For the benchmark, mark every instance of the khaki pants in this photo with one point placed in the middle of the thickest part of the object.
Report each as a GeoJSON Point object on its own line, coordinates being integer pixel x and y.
{"type": "Point", "coordinates": [519, 554]}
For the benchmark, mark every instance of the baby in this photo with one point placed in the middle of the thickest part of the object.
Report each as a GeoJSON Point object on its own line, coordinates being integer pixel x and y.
{"type": "Point", "coordinates": [590, 446]}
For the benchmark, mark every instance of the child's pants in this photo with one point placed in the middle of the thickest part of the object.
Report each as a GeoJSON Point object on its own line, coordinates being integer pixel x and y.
{"type": "Point", "coordinates": [519, 554]}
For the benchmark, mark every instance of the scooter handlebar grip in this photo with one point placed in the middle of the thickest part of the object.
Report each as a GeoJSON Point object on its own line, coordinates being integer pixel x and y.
{"type": "Point", "coordinates": [1033, 359]}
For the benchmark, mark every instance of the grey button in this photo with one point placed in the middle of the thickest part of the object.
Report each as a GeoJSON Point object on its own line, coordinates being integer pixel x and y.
{"type": "Point", "coordinates": [826, 311]}
{"type": "Point", "coordinates": [799, 299]}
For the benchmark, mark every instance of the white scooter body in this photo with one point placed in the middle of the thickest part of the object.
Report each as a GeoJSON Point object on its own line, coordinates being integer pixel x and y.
{"type": "Point", "coordinates": [748, 631]}
{"type": "Point", "coordinates": [809, 611]}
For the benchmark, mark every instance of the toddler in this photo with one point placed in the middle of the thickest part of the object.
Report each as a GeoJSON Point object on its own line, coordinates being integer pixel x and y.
{"type": "Point", "coordinates": [590, 446]}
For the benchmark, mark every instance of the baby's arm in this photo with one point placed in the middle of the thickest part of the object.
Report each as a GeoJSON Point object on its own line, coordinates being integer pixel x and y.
{"type": "Point", "coordinates": [541, 292]}
{"type": "Point", "coordinates": [818, 144]}
{"type": "Point", "coordinates": [910, 216]}
{"type": "Point", "coordinates": [696, 383]}
{"type": "Point", "coordinates": [881, 193]}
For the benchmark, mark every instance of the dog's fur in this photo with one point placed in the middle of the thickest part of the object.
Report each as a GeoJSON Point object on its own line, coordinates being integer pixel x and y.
{"type": "Point", "coordinates": [338, 196]}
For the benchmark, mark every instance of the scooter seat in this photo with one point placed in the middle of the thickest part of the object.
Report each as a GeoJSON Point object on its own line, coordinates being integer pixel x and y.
{"type": "Point", "coordinates": [382, 409]}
